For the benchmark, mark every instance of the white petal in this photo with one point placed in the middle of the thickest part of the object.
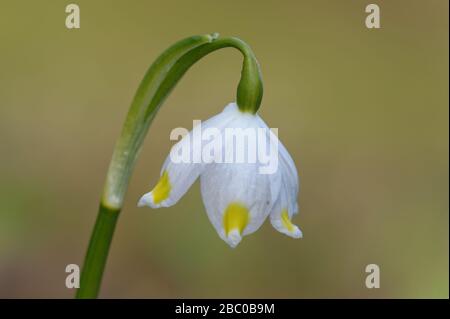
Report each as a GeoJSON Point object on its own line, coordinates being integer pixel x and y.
{"type": "Point", "coordinates": [223, 185]}
{"type": "Point", "coordinates": [175, 180]}
{"type": "Point", "coordinates": [286, 204]}
{"type": "Point", "coordinates": [288, 170]}
{"type": "Point", "coordinates": [286, 186]}
{"type": "Point", "coordinates": [290, 178]}
{"type": "Point", "coordinates": [280, 216]}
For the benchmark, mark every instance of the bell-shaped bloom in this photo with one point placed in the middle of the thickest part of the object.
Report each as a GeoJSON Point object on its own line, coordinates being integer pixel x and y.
{"type": "Point", "coordinates": [246, 174]}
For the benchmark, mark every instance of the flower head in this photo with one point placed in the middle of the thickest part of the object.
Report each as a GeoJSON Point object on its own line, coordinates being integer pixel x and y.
{"type": "Point", "coordinates": [246, 174]}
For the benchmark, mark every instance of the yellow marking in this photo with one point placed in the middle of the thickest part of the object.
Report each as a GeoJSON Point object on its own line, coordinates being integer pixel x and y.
{"type": "Point", "coordinates": [236, 217]}
{"type": "Point", "coordinates": [162, 189]}
{"type": "Point", "coordinates": [286, 221]}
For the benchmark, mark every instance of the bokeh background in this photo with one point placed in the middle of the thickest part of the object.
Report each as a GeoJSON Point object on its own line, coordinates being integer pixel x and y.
{"type": "Point", "coordinates": [363, 112]}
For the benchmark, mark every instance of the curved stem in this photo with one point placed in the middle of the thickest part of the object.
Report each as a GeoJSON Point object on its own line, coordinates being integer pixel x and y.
{"type": "Point", "coordinates": [157, 84]}
{"type": "Point", "coordinates": [250, 88]}
{"type": "Point", "coordinates": [97, 252]}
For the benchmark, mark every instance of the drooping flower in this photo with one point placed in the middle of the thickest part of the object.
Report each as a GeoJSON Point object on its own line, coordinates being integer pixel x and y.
{"type": "Point", "coordinates": [238, 190]}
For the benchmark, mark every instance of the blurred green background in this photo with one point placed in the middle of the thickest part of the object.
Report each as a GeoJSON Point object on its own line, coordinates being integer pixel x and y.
{"type": "Point", "coordinates": [364, 113]}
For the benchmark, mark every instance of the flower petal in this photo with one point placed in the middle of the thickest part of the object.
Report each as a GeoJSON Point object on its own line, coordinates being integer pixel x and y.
{"type": "Point", "coordinates": [175, 180]}
{"type": "Point", "coordinates": [280, 216]}
{"type": "Point", "coordinates": [288, 171]}
{"type": "Point", "coordinates": [236, 198]}
{"type": "Point", "coordinates": [290, 178]}
{"type": "Point", "coordinates": [284, 184]}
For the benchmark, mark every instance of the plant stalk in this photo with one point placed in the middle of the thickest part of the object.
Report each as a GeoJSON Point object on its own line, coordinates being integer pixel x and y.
{"type": "Point", "coordinates": [97, 252]}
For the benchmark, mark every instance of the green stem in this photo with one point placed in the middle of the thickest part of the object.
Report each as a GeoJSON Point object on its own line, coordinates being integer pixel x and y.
{"type": "Point", "coordinates": [97, 252]}
{"type": "Point", "coordinates": [157, 84]}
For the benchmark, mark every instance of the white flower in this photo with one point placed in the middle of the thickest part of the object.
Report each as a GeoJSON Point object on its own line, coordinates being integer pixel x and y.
{"type": "Point", "coordinates": [238, 196]}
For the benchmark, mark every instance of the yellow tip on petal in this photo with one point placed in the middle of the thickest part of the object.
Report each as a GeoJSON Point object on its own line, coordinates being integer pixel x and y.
{"type": "Point", "coordinates": [162, 189]}
{"type": "Point", "coordinates": [286, 221]}
{"type": "Point", "coordinates": [236, 217]}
